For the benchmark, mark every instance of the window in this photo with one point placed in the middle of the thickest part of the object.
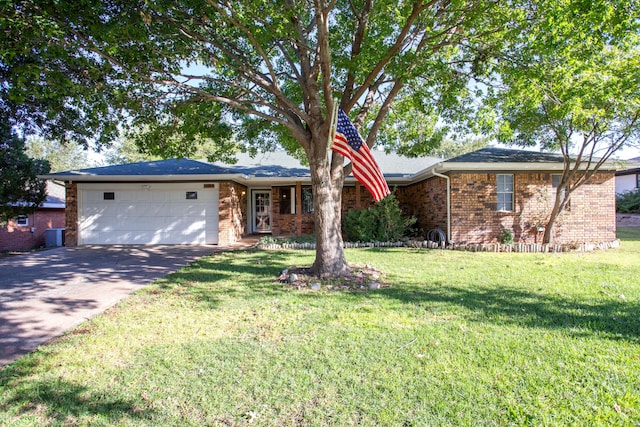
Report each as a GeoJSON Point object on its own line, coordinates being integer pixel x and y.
{"type": "Point", "coordinates": [192, 195]}
{"type": "Point", "coordinates": [307, 200]}
{"type": "Point", "coordinates": [286, 197]}
{"type": "Point", "coordinates": [638, 180]}
{"type": "Point", "coordinates": [108, 195]}
{"type": "Point", "coordinates": [555, 183]}
{"type": "Point", "coordinates": [22, 221]}
{"type": "Point", "coordinates": [505, 192]}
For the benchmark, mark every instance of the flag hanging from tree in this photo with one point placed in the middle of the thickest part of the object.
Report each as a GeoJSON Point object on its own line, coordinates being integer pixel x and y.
{"type": "Point", "coordinates": [349, 143]}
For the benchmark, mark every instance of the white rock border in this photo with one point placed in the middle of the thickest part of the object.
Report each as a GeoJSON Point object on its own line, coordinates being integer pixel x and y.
{"type": "Point", "coordinates": [492, 247]}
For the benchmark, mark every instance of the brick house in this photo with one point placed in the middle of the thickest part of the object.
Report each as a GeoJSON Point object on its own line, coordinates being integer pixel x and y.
{"type": "Point", "coordinates": [471, 198]}
{"type": "Point", "coordinates": [28, 231]}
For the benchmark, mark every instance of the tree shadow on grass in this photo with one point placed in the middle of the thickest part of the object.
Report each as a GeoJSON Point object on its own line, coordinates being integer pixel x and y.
{"type": "Point", "coordinates": [502, 305]}
{"type": "Point", "coordinates": [61, 402]}
{"type": "Point", "coordinates": [250, 274]}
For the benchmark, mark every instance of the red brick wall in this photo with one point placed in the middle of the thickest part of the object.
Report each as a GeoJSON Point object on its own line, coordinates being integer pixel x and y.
{"type": "Point", "coordinates": [16, 238]}
{"type": "Point", "coordinates": [476, 220]}
{"type": "Point", "coordinates": [355, 197]}
{"type": "Point", "coordinates": [232, 222]}
{"type": "Point", "coordinates": [287, 224]}
{"type": "Point", "coordinates": [473, 209]}
{"type": "Point", "coordinates": [427, 201]}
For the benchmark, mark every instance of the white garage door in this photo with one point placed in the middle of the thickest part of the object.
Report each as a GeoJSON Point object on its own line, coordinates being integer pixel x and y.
{"type": "Point", "coordinates": [151, 213]}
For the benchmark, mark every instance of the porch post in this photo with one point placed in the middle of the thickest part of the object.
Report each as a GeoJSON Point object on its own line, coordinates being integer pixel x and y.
{"type": "Point", "coordinates": [298, 208]}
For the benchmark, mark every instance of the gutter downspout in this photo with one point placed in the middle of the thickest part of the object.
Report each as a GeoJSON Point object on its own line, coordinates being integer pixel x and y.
{"type": "Point", "coordinates": [448, 203]}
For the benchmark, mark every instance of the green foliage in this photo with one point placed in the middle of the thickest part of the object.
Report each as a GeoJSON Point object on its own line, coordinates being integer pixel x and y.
{"type": "Point", "coordinates": [52, 88]}
{"type": "Point", "coordinates": [451, 148]}
{"type": "Point", "coordinates": [571, 82]}
{"type": "Point", "coordinates": [506, 237]}
{"type": "Point", "coordinates": [383, 222]}
{"type": "Point", "coordinates": [265, 240]}
{"type": "Point", "coordinates": [188, 72]}
{"type": "Point", "coordinates": [61, 156]}
{"type": "Point", "coordinates": [21, 191]}
{"type": "Point", "coordinates": [628, 202]}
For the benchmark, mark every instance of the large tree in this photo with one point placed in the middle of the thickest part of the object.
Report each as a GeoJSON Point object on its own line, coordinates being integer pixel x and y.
{"type": "Point", "coordinates": [572, 85]}
{"type": "Point", "coordinates": [21, 191]}
{"type": "Point", "coordinates": [268, 72]}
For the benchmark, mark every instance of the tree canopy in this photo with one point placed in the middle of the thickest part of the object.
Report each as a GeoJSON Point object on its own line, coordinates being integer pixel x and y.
{"type": "Point", "coordinates": [265, 71]}
{"type": "Point", "coordinates": [573, 86]}
{"type": "Point", "coordinates": [61, 156]}
{"type": "Point", "coordinates": [21, 191]}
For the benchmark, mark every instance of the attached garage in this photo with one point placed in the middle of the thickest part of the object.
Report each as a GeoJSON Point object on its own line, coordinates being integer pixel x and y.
{"type": "Point", "coordinates": [148, 213]}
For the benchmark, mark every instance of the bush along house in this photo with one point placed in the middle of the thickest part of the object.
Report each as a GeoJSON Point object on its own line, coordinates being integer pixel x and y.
{"type": "Point", "coordinates": [469, 199]}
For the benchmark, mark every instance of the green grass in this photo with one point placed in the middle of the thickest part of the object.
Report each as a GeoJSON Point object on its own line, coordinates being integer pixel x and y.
{"type": "Point", "coordinates": [455, 339]}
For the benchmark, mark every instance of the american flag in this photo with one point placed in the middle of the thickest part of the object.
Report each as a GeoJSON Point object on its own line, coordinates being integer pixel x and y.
{"type": "Point", "coordinates": [348, 142]}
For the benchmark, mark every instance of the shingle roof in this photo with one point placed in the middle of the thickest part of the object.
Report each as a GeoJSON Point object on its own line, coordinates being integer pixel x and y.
{"type": "Point", "coordinates": [505, 155]}
{"type": "Point", "coordinates": [628, 172]}
{"type": "Point", "coordinates": [153, 168]}
{"type": "Point", "coordinates": [276, 164]}
{"type": "Point", "coordinates": [279, 164]}
{"type": "Point", "coordinates": [55, 195]}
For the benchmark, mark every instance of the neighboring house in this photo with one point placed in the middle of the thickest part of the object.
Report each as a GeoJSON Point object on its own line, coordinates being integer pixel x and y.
{"type": "Point", "coordinates": [471, 198]}
{"type": "Point", "coordinates": [29, 231]}
{"type": "Point", "coordinates": [628, 179]}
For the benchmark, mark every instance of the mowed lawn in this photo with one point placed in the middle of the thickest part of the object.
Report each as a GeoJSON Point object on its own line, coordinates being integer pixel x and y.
{"type": "Point", "coordinates": [452, 339]}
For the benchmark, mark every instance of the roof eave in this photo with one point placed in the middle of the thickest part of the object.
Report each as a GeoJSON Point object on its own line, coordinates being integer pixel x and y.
{"type": "Point", "coordinates": [147, 178]}
{"type": "Point", "coordinates": [512, 166]}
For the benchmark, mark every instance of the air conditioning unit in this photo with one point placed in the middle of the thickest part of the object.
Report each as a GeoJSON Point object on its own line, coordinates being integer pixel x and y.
{"type": "Point", "coordinates": [54, 237]}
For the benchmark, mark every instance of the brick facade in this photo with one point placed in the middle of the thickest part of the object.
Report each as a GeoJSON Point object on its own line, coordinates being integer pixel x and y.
{"type": "Point", "coordinates": [22, 238]}
{"type": "Point", "coordinates": [71, 217]}
{"type": "Point", "coordinates": [427, 202]}
{"type": "Point", "coordinates": [355, 197]}
{"type": "Point", "coordinates": [474, 215]}
{"type": "Point", "coordinates": [290, 224]}
{"type": "Point", "coordinates": [475, 218]}
{"type": "Point", "coordinates": [232, 221]}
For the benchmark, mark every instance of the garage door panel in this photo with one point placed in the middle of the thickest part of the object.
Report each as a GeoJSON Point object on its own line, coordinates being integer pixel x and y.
{"type": "Point", "coordinates": [162, 215]}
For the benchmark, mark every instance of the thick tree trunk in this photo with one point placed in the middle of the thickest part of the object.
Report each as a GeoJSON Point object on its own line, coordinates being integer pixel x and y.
{"type": "Point", "coordinates": [327, 204]}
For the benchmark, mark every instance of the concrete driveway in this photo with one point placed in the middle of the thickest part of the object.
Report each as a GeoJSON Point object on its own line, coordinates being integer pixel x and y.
{"type": "Point", "coordinates": [43, 294]}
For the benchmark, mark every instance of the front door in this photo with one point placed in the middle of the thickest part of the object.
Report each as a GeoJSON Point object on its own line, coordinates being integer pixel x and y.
{"type": "Point", "coordinates": [262, 211]}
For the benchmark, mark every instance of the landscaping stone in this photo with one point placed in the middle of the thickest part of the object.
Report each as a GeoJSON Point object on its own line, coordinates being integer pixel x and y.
{"type": "Point", "coordinates": [315, 286]}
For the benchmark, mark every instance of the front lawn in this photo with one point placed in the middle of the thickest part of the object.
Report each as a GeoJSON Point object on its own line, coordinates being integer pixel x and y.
{"type": "Point", "coordinates": [453, 339]}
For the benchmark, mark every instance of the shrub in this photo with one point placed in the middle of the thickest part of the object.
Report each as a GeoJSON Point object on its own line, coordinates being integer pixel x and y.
{"type": "Point", "coordinates": [628, 202]}
{"type": "Point", "coordinates": [383, 222]}
{"type": "Point", "coordinates": [506, 237]}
